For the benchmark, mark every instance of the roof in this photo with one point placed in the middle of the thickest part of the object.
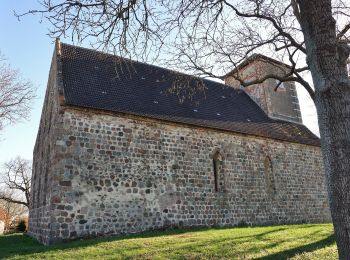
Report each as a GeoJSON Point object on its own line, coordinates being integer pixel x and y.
{"type": "Point", "coordinates": [97, 80]}
{"type": "Point", "coordinates": [254, 57]}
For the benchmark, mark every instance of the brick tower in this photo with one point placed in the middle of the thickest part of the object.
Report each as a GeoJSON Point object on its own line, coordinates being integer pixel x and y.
{"type": "Point", "coordinates": [281, 104]}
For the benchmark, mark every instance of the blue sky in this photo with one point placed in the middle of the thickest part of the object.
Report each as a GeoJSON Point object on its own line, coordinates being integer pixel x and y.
{"type": "Point", "coordinates": [27, 47]}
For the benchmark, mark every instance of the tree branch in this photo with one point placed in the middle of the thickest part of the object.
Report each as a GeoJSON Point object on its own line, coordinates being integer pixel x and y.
{"type": "Point", "coordinates": [342, 33]}
{"type": "Point", "coordinates": [9, 199]}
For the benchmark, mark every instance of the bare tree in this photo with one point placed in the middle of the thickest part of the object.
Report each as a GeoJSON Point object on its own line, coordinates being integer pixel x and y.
{"type": "Point", "coordinates": [16, 94]}
{"type": "Point", "coordinates": [10, 211]}
{"type": "Point", "coordinates": [211, 37]}
{"type": "Point", "coordinates": [16, 181]}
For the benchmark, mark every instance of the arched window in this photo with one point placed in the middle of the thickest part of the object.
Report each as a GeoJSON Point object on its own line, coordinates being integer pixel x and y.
{"type": "Point", "coordinates": [217, 161]}
{"type": "Point", "coordinates": [269, 178]}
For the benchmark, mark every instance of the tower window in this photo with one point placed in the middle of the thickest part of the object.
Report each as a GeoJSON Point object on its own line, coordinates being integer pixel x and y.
{"type": "Point", "coordinates": [281, 86]}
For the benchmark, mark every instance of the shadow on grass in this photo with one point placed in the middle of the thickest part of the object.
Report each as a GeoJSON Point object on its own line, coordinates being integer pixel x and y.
{"type": "Point", "coordinates": [328, 241]}
{"type": "Point", "coordinates": [22, 245]}
{"type": "Point", "coordinates": [18, 244]}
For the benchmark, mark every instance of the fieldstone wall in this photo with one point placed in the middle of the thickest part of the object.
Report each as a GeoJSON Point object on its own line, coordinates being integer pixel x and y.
{"type": "Point", "coordinates": [45, 158]}
{"type": "Point", "coordinates": [120, 174]}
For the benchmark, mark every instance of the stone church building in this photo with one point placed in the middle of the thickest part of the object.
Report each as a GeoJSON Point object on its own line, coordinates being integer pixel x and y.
{"type": "Point", "coordinates": [122, 149]}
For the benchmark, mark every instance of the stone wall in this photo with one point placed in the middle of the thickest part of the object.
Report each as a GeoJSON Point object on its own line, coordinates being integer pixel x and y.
{"type": "Point", "coordinates": [119, 174]}
{"type": "Point", "coordinates": [45, 158]}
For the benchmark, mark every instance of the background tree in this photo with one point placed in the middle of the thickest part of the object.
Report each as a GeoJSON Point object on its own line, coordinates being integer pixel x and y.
{"type": "Point", "coordinates": [211, 37]}
{"type": "Point", "coordinates": [16, 94]}
{"type": "Point", "coordinates": [16, 181]}
{"type": "Point", "coordinates": [10, 212]}
{"type": "Point", "coordinates": [21, 225]}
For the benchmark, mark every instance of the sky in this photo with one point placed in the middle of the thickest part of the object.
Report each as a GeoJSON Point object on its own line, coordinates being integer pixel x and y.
{"type": "Point", "coordinates": [27, 46]}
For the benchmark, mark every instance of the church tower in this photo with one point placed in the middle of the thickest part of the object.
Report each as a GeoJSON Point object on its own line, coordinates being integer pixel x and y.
{"type": "Point", "coordinates": [282, 104]}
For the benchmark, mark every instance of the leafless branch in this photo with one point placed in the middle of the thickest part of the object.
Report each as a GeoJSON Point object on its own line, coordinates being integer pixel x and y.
{"type": "Point", "coordinates": [16, 95]}
{"type": "Point", "coordinates": [16, 178]}
{"type": "Point", "coordinates": [206, 38]}
{"type": "Point", "coordinates": [342, 33]}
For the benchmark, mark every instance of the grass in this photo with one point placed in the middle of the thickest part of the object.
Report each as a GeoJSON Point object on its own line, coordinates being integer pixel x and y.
{"type": "Point", "coordinates": [274, 242]}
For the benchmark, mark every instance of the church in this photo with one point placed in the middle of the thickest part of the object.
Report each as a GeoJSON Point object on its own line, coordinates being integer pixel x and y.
{"type": "Point", "coordinates": [126, 147]}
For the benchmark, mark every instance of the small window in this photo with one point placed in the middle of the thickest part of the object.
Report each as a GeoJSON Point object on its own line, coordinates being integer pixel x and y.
{"type": "Point", "coordinates": [217, 165]}
{"type": "Point", "coordinates": [269, 178]}
{"type": "Point", "coordinates": [281, 86]}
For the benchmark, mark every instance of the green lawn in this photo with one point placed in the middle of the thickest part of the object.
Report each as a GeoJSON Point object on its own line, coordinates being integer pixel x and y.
{"type": "Point", "coordinates": [274, 242]}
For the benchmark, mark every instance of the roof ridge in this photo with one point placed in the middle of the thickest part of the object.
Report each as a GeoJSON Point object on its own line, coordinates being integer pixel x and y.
{"type": "Point", "coordinates": [253, 57]}
{"type": "Point", "coordinates": [148, 64]}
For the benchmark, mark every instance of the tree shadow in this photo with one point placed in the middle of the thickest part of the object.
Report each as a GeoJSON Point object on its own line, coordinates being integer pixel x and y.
{"type": "Point", "coordinates": [18, 244]}
{"type": "Point", "coordinates": [287, 254]}
{"type": "Point", "coordinates": [262, 235]}
{"type": "Point", "coordinates": [22, 245]}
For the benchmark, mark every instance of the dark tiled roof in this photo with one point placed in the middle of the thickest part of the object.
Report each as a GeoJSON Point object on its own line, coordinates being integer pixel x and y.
{"type": "Point", "coordinates": [96, 80]}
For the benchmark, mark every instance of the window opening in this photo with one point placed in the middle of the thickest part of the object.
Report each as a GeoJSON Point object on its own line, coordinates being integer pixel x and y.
{"type": "Point", "coordinates": [269, 178]}
{"type": "Point", "coordinates": [217, 159]}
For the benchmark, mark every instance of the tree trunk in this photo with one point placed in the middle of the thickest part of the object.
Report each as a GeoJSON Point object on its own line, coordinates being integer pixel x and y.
{"type": "Point", "coordinates": [334, 114]}
{"type": "Point", "coordinates": [327, 60]}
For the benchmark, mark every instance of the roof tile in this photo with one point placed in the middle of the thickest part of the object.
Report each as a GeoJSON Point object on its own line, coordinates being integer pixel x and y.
{"type": "Point", "coordinates": [97, 80]}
